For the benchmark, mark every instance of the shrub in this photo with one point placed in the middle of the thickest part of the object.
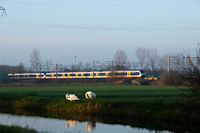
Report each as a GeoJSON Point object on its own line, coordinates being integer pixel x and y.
{"type": "Point", "coordinates": [171, 78]}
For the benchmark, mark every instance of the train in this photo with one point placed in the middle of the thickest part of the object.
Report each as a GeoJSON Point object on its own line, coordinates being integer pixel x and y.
{"type": "Point", "coordinates": [82, 75]}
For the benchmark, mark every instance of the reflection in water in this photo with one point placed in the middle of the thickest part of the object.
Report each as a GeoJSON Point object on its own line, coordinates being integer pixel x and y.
{"type": "Point", "coordinates": [52, 125]}
{"type": "Point", "coordinates": [90, 126]}
{"type": "Point", "coordinates": [71, 123]}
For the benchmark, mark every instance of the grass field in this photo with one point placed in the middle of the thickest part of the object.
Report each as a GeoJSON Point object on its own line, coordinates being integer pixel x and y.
{"type": "Point", "coordinates": [163, 103]}
{"type": "Point", "coordinates": [119, 93]}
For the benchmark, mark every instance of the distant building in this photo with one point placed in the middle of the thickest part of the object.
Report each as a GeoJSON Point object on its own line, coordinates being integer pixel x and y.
{"type": "Point", "coordinates": [3, 75]}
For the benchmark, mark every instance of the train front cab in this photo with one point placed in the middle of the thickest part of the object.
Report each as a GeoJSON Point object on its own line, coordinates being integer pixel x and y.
{"type": "Point", "coordinates": [142, 73]}
{"type": "Point", "coordinates": [136, 74]}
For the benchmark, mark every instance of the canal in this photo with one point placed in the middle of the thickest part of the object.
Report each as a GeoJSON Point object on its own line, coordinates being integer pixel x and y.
{"type": "Point", "coordinates": [55, 125]}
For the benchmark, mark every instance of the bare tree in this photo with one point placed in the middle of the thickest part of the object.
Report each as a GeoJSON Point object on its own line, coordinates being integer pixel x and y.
{"type": "Point", "coordinates": [79, 66]}
{"type": "Point", "coordinates": [104, 67]}
{"type": "Point", "coordinates": [135, 65]}
{"type": "Point", "coordinates": [48, 64]}
{"type": "Point", "coordinates": [61, 67]}
{"type": "Point", "coordinates": [162, 62]}
{"type": "Point", "coordinates": [177, 60]}
{"type": "Point", "coordinates": [35, 60]}
{"type": "Point", "coordinates": [198, 55]}
{"type": "Point", "coordinates": [192, 91]}
{"type": "Point", "coordinates": [88, 66]}
{"type": "Point", "coordinates": [152, 57]}
{"type": "Point", "coordinates": [120, 59]}
{"type": "Point", "coordinates": [141, 54]}
{"type": "Point", "coordinates": [20, 68]}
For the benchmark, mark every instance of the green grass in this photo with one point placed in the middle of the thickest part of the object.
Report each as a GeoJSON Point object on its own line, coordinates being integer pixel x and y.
{"type": "Point", "coordinates": [149, 102]}
{"type": "Point", "coordinates": [15, 129]}
{"type": "Point", "coordinates": [120, 93]}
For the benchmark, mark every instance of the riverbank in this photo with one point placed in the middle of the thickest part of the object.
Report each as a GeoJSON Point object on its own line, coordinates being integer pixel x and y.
{"type": "Point", "coordinates": [15, 129]}
{"type": "Point", "coordinates": [151, 103]}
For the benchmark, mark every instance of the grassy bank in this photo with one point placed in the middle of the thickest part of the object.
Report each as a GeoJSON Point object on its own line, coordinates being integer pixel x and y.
{"type": "Point", "coordinates": [160, 103]}
{"type": "Point", "coordinates": [15, 129]}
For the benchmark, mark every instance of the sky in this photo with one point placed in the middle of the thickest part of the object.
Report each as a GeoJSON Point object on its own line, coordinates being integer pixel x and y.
{"type": "Point", "coordinates": [95, 29]}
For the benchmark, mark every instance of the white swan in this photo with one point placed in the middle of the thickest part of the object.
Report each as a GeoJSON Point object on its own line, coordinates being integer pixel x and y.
{"type": "Point", "coordinates": [71, 97]}
{"type": "Point", "coordinates": [90, 95]}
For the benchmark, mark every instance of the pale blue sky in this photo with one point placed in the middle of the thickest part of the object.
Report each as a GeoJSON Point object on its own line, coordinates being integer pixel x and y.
{"type": "Point", "coordinates": [95, 29]}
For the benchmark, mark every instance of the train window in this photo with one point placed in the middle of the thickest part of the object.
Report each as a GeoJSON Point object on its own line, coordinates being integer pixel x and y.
{"type": "Point", "coordinates": [48, 75]}
{"type": "Point", "coordinates": [79, 74]}
{"type": "Point", "coordinates": [135, 73]}
{"type": "Point", "coordinates": [57, 75]}
{"type": "Point", "coordinates": [21, 76]}
{"type": "Point", "coordinates": [94, 74]}
{"type": "Point", "coordinates": [26, 75]}
{"type": "Point", "coordinates": [86, 74]}
{"type": "Point", "coordinates": [32, 76]}
{"type": "Point", "coordinates": [120, 74]}
{"type": "Point", "coordinates": [11, 76]}
{"type": "Point", "coordinates": [72, 74]}
{"type": "Point", "coordinates": [117, 74]}
{"type": "Point", "coordinates": [66, 75]}
{"type": "Point", "coordinates": [125, 73]}
{"type": "Point", "coordinates": [102, 74]}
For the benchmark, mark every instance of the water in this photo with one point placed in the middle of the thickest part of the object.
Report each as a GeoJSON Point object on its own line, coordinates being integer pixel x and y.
{"type": "Point", "coordinates": [53, 125]}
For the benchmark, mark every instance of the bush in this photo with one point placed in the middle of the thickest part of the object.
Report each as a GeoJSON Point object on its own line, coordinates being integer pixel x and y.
{"type": "Point", "coordinates": [171, 78]}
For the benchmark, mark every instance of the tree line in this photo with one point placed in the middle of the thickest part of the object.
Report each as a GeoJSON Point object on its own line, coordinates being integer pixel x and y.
{"type": "Point", "coordinates": [146, 59]}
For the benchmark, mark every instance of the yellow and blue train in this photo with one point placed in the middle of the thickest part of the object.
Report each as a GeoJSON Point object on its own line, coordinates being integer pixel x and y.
{"type": "Point", "coordinates": [70, 75]}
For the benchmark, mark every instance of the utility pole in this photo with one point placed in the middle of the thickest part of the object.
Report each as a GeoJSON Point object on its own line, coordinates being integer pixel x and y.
{"type": "Point", "coordinates": [168, 65]}
{"type": "Point", "coordinates": [189, 63]}
{"type": "Point", "coordinates": [129, 66]}
{"type": "Point", "coordinates": [4, 11]}
{"type": "Point", "coordinates": [56, 70]}
{"type": "Point", "coordinates": [93, 67]}
{"type": "Point", "coordinates": [40, 70]}
{"type": "Point", "coordinates": [13, 73]}
{"type": "Point", "coordinates": [189, 66]}
{"type": "Point", "coordinates": [75, 61]}
{"type": "Point", "coordinates": [111, 67]}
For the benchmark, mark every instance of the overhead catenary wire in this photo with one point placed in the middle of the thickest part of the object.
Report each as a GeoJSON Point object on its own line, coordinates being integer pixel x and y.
{"type": "Point", "coordinates": [98, 3]}
{"type": "Point", "coordinates": [174, 25]}
{"type": "Point", "coordinates": [170, 25]}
